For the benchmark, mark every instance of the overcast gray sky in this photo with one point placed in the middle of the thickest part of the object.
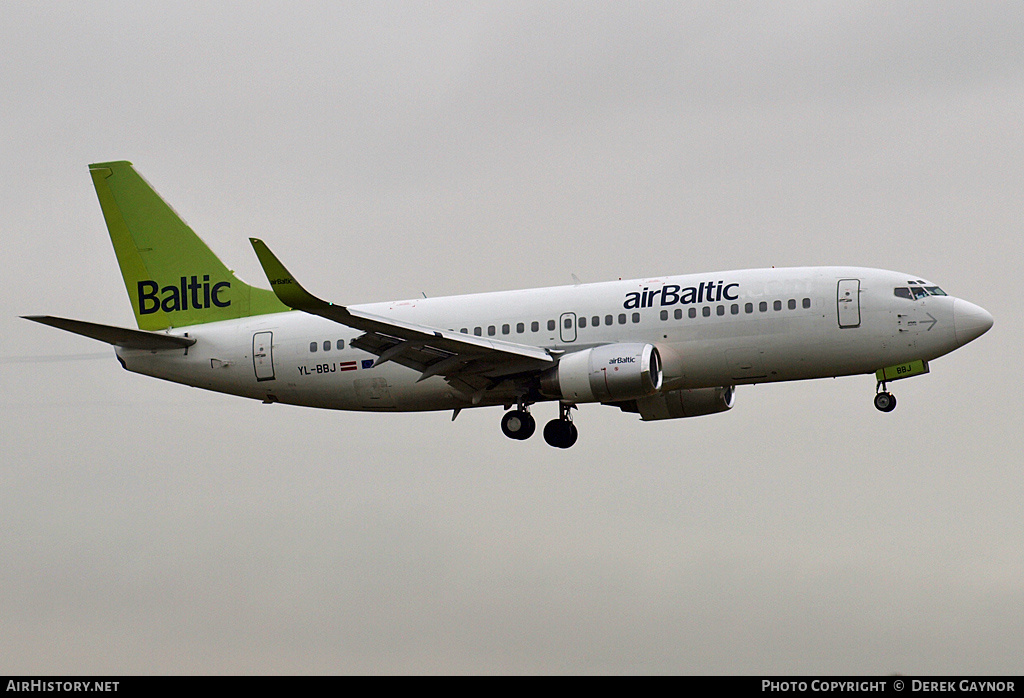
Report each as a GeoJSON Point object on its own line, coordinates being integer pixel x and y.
{"type": "Point", "coordinates": [388, 149]}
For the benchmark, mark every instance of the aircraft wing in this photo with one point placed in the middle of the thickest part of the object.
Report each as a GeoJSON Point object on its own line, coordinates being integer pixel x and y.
{"type": "Point", "coordinates": [469, 363]}
{"type": "Point", "coordinates": [118, 336]}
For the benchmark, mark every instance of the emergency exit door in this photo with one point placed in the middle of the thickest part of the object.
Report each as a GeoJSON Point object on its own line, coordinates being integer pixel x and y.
{"type": "Point", "coordinates": [567, 327]}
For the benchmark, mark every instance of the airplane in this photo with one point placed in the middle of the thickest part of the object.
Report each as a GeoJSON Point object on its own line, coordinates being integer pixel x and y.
{"type": "Point", "coordinates": [664, 347]}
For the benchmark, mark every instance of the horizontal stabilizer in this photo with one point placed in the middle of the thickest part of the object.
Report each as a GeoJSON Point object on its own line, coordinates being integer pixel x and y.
{"type": "Point", "coordinates": [118, 336]}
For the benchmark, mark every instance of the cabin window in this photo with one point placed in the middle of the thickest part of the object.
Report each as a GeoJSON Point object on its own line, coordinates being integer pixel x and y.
{"type": "Point", "coordinates": [735, 309]}
{"type": "Point", "coordinates": [340, 344]}
{"type": "Point", "coordinates": [582, 321]}
{"type": "Point", "coordinates": [520, 327]}
{"type": "Point", "coordinates": [678, 314]}
{"type": "Point", "coordinates": [327, 345]}
{"type": "Point", "coordinates": [720, 310]}
{"type": "Point", "coordinates": [693, 312]}
{"type": "Point", "coordinates": [478, 331]}
{"type": "Point", "coordinates": [636, 317]}
{"type": "Point", "coordinates": [567, 323]}
{"type": "Point", "coordinates": [312, 347]}
{"type": "Point", "coordinates": [551, 325]}
{"type": "Point", "coordinates": [777, 305]}
{"type": "Point", "coordinates": [792, 304]}
{"type": "Point", "coordinates": [607, 319]}
{"type": "Point", "coordinates": [505, 329]}
{"type": "Point", "coordinates": [464, 330]}
{"type": "Point", "coordinates": [748, 308]}
{"type": "Point", "coordinates": [807, 302]}
{"type": "Point", "coordinates": [706, 311]}
{"type": "Point", "coordinates": [622, 318]}
{"type": "Point", "coordinates": [491, 330]}
{"type": "Point", "coordinates": [595, 321]}
{"type": "Point", "coordinates": [763, 306]}
{"type": "Point", "coordinates": [664, 315]}
{"type": "Point", "coordinates": [534, 326]}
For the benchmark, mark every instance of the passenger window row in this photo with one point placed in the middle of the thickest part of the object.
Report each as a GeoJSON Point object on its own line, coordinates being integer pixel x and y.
{"type": "Point", "coordinates": [339, 345]}
{"type": "Point", "coordinates": [734, 309]}
{"type": "Point", "coordinates": [583, 321]}
{"type": "Point", "coordinates": [612, 319]}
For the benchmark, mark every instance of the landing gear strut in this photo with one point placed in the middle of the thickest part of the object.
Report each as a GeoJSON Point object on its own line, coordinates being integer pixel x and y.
{"type": "Point", "coordinates": [884, 400]}
{"type": "Point", "coordinates": [561, 432]}
{"type": "Point", "coordinates": [518, 423]}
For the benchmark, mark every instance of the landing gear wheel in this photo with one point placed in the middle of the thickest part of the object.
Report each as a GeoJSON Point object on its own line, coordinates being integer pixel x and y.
{"type": "Point", "coordinates": [518, 424]}
{"type": "Point", "coordinates": [560, 433]}
{"type": "Point", "coordinates": [885, 402]}
{"type": "Point", "coordinates": [573, 435]}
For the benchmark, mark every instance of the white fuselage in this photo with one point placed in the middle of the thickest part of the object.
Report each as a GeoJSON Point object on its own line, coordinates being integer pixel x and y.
{"type": "Point", "coordinates": [714, 329]}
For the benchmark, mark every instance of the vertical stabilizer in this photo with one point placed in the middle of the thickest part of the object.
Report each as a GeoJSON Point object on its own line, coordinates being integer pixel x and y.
{"type": "Point", "coordinates": [173, 279]}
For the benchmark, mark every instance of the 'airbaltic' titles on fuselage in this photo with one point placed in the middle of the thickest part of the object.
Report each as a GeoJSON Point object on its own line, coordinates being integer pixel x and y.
{"type": "Point", "coordinates": [201, 294]}
{"type": "Point", "coordinates": [671, 294]}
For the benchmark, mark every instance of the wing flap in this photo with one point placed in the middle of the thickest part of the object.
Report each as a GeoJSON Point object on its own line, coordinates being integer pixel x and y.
{"type": "Point", "coordinates": [409, 353]}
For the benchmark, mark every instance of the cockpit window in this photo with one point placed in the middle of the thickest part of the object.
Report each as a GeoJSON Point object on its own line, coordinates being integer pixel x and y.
{"type": "Point", "coordinates": [916, 292]}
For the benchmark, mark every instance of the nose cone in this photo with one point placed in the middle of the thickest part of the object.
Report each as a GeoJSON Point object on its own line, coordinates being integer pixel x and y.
{"type": "Point", "coordinates": [969, 321]}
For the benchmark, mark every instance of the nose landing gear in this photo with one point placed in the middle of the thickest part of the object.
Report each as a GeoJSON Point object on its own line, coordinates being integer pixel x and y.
{"type": "Point", "coordinates": [884, 400]}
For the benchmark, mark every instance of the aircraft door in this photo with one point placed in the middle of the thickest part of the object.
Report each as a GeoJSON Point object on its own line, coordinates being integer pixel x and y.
{"type": "Point", "coordinates": [567, 327]}
{"type": "Point", "coordinates": [848, 300]}
{"type": "Point", "coordinates": [263, 355]}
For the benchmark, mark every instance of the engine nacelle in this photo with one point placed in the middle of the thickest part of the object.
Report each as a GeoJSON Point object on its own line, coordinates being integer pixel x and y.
{"type": "Point", "coordinates": [607, 373]}
{"type": "Point", "coordinates": [675, 404]}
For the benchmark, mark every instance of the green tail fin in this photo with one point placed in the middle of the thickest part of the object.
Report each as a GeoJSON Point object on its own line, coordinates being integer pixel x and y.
{"type": "Point", "coordinates": [172, 277]}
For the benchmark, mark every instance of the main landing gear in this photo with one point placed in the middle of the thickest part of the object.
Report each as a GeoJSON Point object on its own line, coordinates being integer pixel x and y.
{"type": "Point", "coordinates": [884, 400]}
{"type": "Point", "coordinates": [561, 432]}
{"type": "Point", "coordinates": [519, 424]}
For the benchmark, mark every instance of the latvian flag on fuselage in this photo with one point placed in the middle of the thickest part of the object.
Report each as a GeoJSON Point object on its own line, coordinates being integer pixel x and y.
{"type": "Point", "coordinates": [347, 366]}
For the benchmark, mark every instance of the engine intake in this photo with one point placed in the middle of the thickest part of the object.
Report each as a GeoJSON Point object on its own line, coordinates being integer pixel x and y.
{"type": "Point", "coordinates": [607, 373]}
{"type": "Point", "coordinates": [675, 404]}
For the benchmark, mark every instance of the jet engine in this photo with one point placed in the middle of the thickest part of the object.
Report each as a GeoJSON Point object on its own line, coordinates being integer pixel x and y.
{"type": "Point", "coordinates": [609, 373]}
{"type": "Point", "coordinates": [675, 404]}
